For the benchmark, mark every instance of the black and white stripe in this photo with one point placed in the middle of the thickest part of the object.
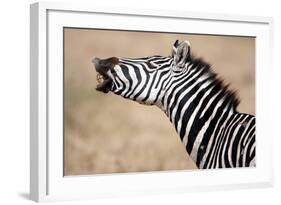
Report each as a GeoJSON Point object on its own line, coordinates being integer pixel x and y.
{"type": "Point", "coordinates": [199, 105]}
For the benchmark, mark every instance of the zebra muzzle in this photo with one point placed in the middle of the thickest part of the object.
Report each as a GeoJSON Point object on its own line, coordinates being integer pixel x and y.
{"type": "Point", "coordinates": [104, 81]}
{"type": "Point", "coordinates": [105, 86]}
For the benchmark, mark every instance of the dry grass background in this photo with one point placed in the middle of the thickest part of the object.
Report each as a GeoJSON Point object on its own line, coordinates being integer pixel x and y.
{"type": "Point", "coordinates": [108, 134]}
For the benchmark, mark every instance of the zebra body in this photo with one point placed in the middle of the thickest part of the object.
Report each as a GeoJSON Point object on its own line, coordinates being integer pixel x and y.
{"type": "Point", "coordinates": [201, 108]}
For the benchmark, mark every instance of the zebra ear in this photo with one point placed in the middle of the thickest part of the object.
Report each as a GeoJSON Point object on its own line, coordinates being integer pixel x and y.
{"type": "Point", "coordinates": [176, 44]}
{"type": "Point", "coordinates": [182, 52]}
{"type": "Point", "coordinates": [174, 49]}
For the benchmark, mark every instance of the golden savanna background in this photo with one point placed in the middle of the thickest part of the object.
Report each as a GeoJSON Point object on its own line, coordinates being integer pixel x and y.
{"type": "Point", "coordinates": [104, 133]}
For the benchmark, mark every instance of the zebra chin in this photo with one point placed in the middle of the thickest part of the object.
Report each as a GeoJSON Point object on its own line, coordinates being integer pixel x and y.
{"type": "Point", "coordinates": [105, 86]}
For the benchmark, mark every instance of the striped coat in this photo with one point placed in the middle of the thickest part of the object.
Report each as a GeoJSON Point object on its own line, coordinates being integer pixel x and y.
{"type": "Point", "coordinates": [198, 104]}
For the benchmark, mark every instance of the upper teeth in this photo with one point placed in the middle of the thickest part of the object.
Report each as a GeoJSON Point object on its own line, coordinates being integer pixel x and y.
{"type": "Point", "coordinates": [100, 78]}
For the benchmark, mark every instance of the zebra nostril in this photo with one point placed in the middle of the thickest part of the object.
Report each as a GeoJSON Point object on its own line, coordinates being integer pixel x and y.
{"type": "Point", "coordinates": [95, 60]}
{"type": "Point", "coordinates": [97, 63]}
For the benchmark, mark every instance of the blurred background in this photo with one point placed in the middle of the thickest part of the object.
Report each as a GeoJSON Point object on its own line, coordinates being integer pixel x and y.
{"type": "Point", "coordinates": [104, 133]}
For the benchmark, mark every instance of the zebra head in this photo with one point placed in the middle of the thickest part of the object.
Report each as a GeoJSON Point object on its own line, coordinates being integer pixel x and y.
{"type": "Point", "coordinates": [141, 79]}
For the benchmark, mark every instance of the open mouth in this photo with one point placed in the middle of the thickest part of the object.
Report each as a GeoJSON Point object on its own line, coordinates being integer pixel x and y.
{"type": "Point", "coordinates": [104, 82]}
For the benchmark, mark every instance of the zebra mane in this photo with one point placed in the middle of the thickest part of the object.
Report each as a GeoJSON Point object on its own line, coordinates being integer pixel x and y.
{"type": "Point", "coordinates": [199, 63]}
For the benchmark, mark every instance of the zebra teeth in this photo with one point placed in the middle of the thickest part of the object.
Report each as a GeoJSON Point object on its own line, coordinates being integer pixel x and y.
{"type": "Point", "coordinates": [104, 83]}
{"type": "Point", "coordinates": [100, 78]}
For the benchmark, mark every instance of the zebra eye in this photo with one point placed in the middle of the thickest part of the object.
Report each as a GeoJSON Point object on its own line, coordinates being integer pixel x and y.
{"type": "Point", "coordinates": [151, 65]}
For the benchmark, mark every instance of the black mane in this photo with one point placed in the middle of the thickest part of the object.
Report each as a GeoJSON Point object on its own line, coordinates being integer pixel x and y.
{"type": "Point", "coordinates": [199, 63]}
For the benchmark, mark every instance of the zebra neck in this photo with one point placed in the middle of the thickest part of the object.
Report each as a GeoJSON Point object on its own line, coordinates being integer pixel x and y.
{"type": "Point", "coordinates": [198, 109]}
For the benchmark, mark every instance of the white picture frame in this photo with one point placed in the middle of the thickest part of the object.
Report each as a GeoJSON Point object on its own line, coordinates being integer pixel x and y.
{"type": "Point", "coordinates": [47, 182]}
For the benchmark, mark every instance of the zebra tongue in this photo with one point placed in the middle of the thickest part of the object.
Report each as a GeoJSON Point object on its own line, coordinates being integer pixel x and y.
{"type": "Point", "coordinates": [104, 86]}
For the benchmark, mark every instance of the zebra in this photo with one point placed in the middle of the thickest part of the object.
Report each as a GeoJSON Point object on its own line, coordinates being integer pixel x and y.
{"type": "Point", "coordinates": [198, 103]}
